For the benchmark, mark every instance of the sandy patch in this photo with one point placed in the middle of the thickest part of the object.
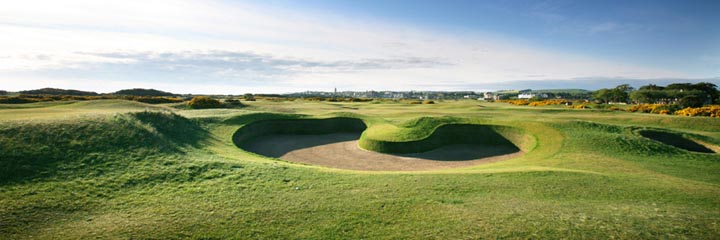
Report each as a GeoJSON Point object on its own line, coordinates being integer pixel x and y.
{"type": "Point", "coordinates": [340, 150]}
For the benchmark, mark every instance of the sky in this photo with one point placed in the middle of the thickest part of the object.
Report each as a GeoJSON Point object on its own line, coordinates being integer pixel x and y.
{"type": "Point", "coordinates": [281, 46]}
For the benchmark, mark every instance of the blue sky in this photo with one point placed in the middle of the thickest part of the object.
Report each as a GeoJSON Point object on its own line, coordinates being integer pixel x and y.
{"type": "Point", "coordinates": [657, 33]}
{"type": "Point", "coordinates": [285, 46]}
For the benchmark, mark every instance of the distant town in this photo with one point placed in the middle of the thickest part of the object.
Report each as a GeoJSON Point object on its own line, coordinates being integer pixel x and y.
{"type": "Point", "coordinates": [440, 95]}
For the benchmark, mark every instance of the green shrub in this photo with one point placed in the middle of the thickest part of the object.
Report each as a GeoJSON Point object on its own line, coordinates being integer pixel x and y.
{"type": "Point", "coordinates": [233, 102]}
{"type": "Point", "coordinates": [16, 100]}
{"type": "Point", "coordinates": [428, 102]}
{"type": "Point", "coordinates": [249, 97]}
{"type": "Point", "coordinates": [156, 100]}
{"type": "Point", "coordinates": [202, 102]}
{"type": "Point", "coordinates": [143, 92]}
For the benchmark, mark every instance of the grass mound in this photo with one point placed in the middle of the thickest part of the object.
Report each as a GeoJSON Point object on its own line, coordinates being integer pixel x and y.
{"type": "Point", "coordinates": [675, 140]}
{"type": "Point", "coordinates": [451, 134]}
{"type": "Point", "coordinates": [36, 150]}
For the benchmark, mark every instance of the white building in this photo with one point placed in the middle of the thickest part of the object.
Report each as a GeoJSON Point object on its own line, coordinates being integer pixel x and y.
{"type": "Point", "coordinates": [526, 96]}
{"type": "Point", "coordinates": [489, 96]}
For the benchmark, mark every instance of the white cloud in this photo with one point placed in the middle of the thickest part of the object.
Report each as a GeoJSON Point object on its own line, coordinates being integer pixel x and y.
{"type": "Point", "coordinates": [67, 42]}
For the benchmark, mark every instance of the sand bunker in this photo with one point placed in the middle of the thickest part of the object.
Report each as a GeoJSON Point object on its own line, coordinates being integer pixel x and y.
{"type": "Point", "coordinates": [676, 140]}
{"type": "Point", "coordinates": [340, 150]}
{"type": "Point", "coordinates": [333, 142]}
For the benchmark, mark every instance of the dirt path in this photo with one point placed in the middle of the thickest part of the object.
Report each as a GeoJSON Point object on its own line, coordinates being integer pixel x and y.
{"type": "Point", "coordinates": [340, 150]}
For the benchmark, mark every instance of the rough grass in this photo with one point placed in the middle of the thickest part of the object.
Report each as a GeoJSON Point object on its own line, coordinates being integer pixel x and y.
{"type": "Point", "coordinates": [99, 172]}
{"type": "Point", "coordinates": [35, 150]}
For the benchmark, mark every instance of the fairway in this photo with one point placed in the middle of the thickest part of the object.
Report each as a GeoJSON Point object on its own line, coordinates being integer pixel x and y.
{"type": "Point", "coordinates": [347, 119]}
{"type": "Point", "coordinates": [297, 169]}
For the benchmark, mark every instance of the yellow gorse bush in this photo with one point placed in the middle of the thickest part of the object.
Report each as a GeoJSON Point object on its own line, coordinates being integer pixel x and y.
{"type": "Point", "coordinates": [645, 108]}
{"type": "Point", "coordinates": [549, 102]}
{"type": "Point", "coordinates": [516, 102]}
{"type": "Point", "coordinates": [708, 111]}
{"type": "Point", "coordinates": [537, 103]}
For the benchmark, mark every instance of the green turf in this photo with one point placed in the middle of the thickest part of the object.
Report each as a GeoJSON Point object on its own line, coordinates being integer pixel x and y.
{"type": "Point", "coordinates": [120, 169]}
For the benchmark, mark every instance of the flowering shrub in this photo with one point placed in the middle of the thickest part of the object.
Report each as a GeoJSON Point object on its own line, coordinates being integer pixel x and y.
{"type": "Point", "coordinates": [665, 109]}
{"type": "Point", "coordinates": [708, 111]}
{"type": "Point", "coordinates": [327, 99]}
{"type": "Point", "coordinates": [644, 108]}
{"type": "Point", "coordinates": [537, 103]}
{"type": "Point", "coordinates": [201, 102]}
{"type": "Point", "coordinates": [517, 102]}
{"type": "Point", "coordinates": [654, 108]}
{"type": "Point", "coordinates": [549, 102]}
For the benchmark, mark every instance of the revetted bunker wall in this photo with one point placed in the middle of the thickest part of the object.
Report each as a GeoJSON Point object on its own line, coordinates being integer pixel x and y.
{"type": "Point", "coordinates": [297, 126]}
{"type": "Point", "coordinates": [455, 134]}
{"type": "Point", "coordinates": [675, 140]}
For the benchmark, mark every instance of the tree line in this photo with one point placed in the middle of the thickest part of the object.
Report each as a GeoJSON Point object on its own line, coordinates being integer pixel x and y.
{"type": "Point", "coordinates": [683, 94]}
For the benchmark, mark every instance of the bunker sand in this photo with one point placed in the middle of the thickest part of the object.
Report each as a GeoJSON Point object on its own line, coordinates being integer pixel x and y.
{"type": "Point", "coordinates": [340, 150]}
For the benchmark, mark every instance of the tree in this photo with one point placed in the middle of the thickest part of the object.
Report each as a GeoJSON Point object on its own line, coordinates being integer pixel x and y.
{"type": "Point", "coordinates": [642, 96]}
{"type": "Point", "coordinates": [652, 87]}
{"type": "Point", "coordinates": [709, 89]}
{"type": "Point", "coordinates": [617, 94]}
{"type": "Point", "coordinates": [679, 86]}
{"type": "Point", "coordinates": [621, 92]}
{"type": "Point", "coordinates": [650, 96]}
{"type": "Point", "coordinates": [704, 91]}
{"type": "Point", "coordinates": [602, 95]}
{"type": "Point", "coordinates": [690, 101]}
{"type": "Point", "coordinates": [249, 97]}
{"type": "Point", "coordinates": [624, 88]}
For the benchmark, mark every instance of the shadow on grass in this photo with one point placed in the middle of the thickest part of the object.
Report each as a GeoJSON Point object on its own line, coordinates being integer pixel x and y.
{"type": "Point", "coordinates": [675, 140]}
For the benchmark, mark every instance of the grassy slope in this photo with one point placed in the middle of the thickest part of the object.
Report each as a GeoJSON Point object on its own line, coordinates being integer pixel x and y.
{"type": "Point", "coordinates": [588, 177]}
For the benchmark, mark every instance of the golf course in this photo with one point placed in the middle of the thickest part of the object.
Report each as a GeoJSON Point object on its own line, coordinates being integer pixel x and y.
{"type": "Point", "coordinates": [297, 169]}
